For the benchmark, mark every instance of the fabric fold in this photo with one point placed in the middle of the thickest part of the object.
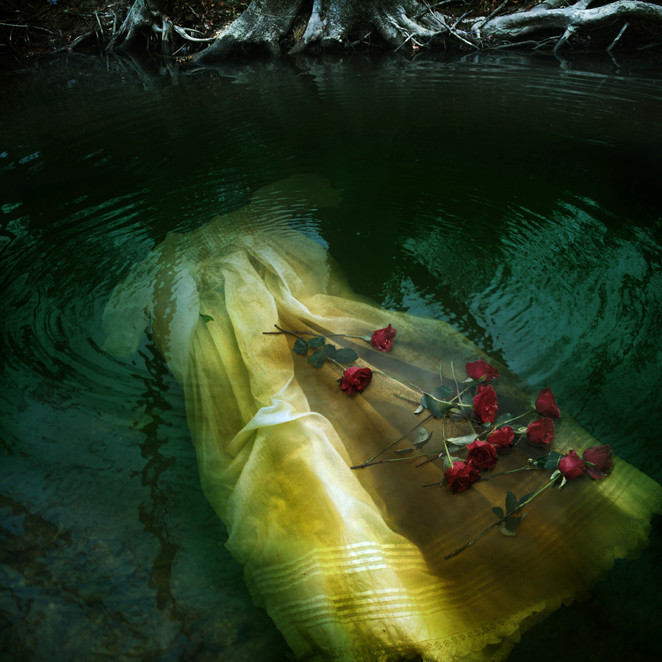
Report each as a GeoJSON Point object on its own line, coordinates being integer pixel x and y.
{"type": "Point", "coordinates": [350, 563]}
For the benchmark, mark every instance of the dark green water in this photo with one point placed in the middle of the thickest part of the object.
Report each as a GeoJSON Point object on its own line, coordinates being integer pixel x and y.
{"type": "Point", "coordinates": [516, 198]}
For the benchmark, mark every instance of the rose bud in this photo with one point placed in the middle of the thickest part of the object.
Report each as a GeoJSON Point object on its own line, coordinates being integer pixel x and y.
{"type": "Point", "coordinates": [485, 403]}
{"type": "Point", "coordinates": [355, 379]}
{"type": "Point", "coordinates": [502, 438]}
{"type": "Point", "coordinates": [600, 461]}
{"type": "Point", "coordinates": [382, 339]}
{"type": "Point", "coordinates": [540, 432]}
{"type": "Point", "coordinates": [481, 454]}
{"type": "Point", "coordinates": [461, 476]}
{"type": "Point", "coordinates": [480, 368]}
{"type": "Point", "coordinates": [546, 405]}
{"type": "Point", "coordinates": [572, 466]}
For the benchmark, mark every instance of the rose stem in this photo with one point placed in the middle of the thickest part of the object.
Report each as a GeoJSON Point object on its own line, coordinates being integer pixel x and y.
{"type": "Point", "coordinates": [395, 459]}
{"type": "Point", "coordinates": [503, 519]}
{"type": "Point", "coordinates": [280, 331]}
{"type": "Point", "coordinates": [528, 467]}
{"type": "Point", "coordinates": [514, 418]}
{"type": "Point", "coordinates": [393, 443]}
{"type": "Point", "coordinates": [310, 333]}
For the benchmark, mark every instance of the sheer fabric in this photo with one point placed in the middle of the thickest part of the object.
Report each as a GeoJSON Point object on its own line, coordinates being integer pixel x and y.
{"type": "Point", "coordinates": [349, 563]}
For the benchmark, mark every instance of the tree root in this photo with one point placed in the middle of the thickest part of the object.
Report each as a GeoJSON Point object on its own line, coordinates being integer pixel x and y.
{"type": "Point", "coordinates": [295, 26]}
{"type": "Point", "coordinates": [328, 24]}
{"type": "Point", "coordinates": [569, 20]}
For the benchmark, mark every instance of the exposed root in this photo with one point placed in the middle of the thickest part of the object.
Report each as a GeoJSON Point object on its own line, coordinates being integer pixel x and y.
{"type": "Point", "coordinates": [263, 24]}
{"type": "Point", "coordinates": [294, 26]}
{"type": "Point", "coordinates": [415, 24]}
{"type": "Point", "coordinates": [140, 17]}
{"type": "Point", "coordinates": [329, 24]}
{"type": "Point", "coordinates": [567, 20]}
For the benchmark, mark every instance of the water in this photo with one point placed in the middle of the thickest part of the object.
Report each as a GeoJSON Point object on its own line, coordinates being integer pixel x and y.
{"type": "Point", "coordinates": [516, 198]}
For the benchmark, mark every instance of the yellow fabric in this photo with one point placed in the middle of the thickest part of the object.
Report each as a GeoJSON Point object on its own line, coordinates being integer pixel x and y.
{"type": "Point", "coordinates": [349, 563]}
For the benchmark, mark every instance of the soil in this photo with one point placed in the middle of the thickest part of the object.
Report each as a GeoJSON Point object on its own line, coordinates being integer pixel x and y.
{"type": "Point", "coordinates": [39, 27]}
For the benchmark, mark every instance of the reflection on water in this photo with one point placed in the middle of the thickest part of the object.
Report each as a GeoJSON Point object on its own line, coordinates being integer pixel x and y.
{"type": "Point", "coordinates": [515, 199]}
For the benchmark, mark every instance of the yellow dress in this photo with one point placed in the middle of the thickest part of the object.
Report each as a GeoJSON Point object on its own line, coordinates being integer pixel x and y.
{"type": "Point", "coordinates": [349, 563]}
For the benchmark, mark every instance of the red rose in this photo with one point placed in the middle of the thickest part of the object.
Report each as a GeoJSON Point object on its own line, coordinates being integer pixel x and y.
{"type": "Point", "coordinates": [461, 476]}
{"type": "Point", "coordinates": [355, 379]}
{"type": "Point", "coordinates": [502, 438]}
{"type": "Point", "coordinates": [480, 368]}
{"type": "Point", "coordinates": [382, 339]}
{"type": "Point", "coordinates": [540, 432]}
{"type": "Point", "coordinates": [481, 454]}
{"type": "Point", "coordinates": [546, 405]}
{"type": "Point", "coordinates": [600, 461]}
{"type": "Point", "coordinates": [485, 403]}
{"type": "Point", "coordinates": [572, 466]}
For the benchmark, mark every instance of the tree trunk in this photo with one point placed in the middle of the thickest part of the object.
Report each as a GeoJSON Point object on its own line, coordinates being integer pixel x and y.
{"type": "Point", "coordinates": [328, 24]}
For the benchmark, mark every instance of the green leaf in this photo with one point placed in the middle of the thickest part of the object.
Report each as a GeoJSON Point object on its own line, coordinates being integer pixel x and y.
{"type": "Point", "coordinates": [300, 347]}
{"type": "Point", "coordinates": [317, 358]}
{"type": "Point", "coordinates": [498, 511]}
{"type": "Point", "coordinates": [511, 502]}
{"type": "Point", "coordinates": [329, 350]}
{"type": "Point", "coordinates": [508, 527]}
{"type": "Point", "coordinates": [436, 408]}
{"type": "Point", "coordinates": [502, 420]}
{"type": "Point", "coordinates": [549, 461]}
{"type": "Point", "coordinates": [422, 437]}
{"type": "Point", "coordinates": [464, 440]}
{"type": "Point", "coordinates": [467, 399]}
{"type": "Point", "coordinates": [206, 318]}
{"type": "Point", "coordinates": [443, 392]}
{"type": "Point", "coordinates": [346, 355]}
{"type": "Point", "coordinates": [316, 342]}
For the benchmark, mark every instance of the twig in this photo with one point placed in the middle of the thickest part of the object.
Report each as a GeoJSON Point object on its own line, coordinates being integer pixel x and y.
{"type": "Point", "coordinates": [570, 30]}
{"type": "Point", "coordinates": [99, 22]}
{"type": "Point", "coordinates": [618, 36]}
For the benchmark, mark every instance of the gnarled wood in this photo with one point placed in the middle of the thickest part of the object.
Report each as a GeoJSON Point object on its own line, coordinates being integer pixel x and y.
{"type": "Point", "coordinates": [519, 24]}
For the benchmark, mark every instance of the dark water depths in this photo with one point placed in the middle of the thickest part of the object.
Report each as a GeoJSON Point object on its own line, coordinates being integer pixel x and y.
{"type": "Point", "coordinates": [517, 199]}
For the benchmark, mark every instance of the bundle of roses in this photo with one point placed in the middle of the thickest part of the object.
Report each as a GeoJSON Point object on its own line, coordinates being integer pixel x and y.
{"type": "Point", "coordinates": [474, 400]}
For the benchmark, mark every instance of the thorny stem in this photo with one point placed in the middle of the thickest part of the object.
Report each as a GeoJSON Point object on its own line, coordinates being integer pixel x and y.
{"type": "Point", "coordinates": [298, 334]}
{"type": "Point", "coordinates": [502, 519]}
{"type": "Point", "coordinates": [281, 331]}
{"type": "Point", "coordinates": [393, 443]}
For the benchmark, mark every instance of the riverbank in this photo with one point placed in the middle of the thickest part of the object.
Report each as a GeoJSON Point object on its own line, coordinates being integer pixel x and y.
{"type": "Point", "coordinates": [209, 30]}
{"type": "Point", "coordinates": [45, 27]}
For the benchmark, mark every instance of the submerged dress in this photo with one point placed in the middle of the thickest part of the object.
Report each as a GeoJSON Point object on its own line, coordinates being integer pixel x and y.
{"type": "Point", "coordinates": [349, 563]}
